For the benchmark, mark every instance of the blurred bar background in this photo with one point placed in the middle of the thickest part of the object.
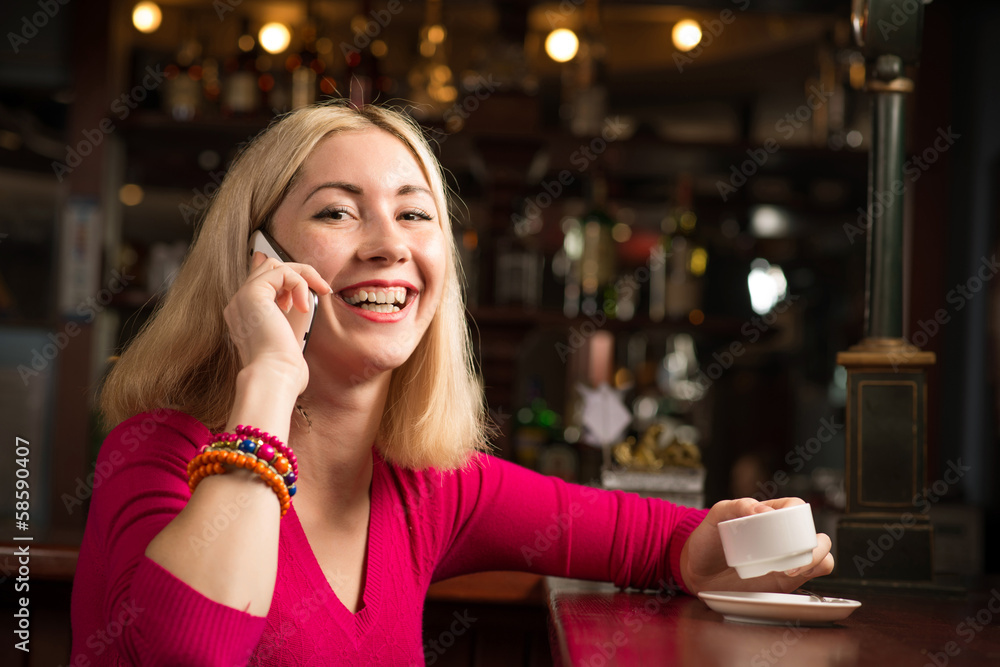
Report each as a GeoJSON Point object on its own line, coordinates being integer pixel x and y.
{"type": "Point", "coordinates": [666, 198]}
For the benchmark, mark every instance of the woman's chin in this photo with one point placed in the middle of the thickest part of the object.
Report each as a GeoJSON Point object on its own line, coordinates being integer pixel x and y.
{"type": "Point", "coordinates": [360, 367]}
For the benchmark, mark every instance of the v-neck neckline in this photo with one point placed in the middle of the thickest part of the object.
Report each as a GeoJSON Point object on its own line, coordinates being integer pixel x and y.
{"type": "Point", "coordinates": [355, 625]}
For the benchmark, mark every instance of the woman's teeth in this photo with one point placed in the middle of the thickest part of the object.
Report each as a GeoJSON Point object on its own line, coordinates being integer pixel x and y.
{"type": "Point", "coordinates": [378, 299]}
{"type": "Point", "coordinates": [379, 307]}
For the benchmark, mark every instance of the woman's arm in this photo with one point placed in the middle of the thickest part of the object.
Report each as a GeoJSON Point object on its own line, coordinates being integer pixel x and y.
{"type": "Point", "coordinates": [124, 598]}
{"type": "Point", "coordinates": [250, 538]}
{"type": "Point", "coordinates": [508, 517]}
{"type": "Point", "coordinates": [273, 376]}
{"type": "Point", "coordinates": [501, 516]}
{"type": "Point", "coordinates": [215, 550]}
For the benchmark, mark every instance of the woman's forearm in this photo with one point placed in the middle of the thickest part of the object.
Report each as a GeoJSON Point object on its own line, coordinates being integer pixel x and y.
{"type": "Point", "coordinates": [238, 567]}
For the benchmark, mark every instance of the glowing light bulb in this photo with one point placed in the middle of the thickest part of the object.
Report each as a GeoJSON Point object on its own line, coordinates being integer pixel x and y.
{"type": "Point", "coordinates": [436, 34]}
{"type": "Point", "coordinates": [562, 45]}
{"type": "Point", "coordinates": [274, 37]}
{"type": "Point", "coordinates": [686, 34]}
{"type": "Point", "coordinates": [146, 17]}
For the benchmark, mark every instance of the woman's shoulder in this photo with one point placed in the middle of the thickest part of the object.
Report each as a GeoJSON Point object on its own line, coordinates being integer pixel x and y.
{"type": "Point", "coordinates": [161, 425]}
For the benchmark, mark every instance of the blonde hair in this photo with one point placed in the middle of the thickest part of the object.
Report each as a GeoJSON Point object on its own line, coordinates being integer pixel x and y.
{"type": "Point", "coordinates": [435, 413]}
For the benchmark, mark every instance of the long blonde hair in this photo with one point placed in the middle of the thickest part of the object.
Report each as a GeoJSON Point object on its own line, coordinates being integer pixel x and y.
{"type": "Point", "coordinates": [184, 358]}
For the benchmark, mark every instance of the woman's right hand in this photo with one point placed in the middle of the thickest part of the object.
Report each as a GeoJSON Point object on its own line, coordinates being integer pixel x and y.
{"type": "Point", "coordinates": [256, 315]}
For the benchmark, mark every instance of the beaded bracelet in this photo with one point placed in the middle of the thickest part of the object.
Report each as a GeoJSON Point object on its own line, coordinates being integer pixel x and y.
{"type": "Point", "coordinates": [259, 449]}
{"type": "Point", "coordinates": [213, 461]}
{"type": "Point", "coordinates": [254, 450]}
{"type": "Point", "coordinates": [279, 446]}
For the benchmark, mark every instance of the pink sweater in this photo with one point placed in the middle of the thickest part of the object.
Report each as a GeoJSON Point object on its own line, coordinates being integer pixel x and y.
{"type": "Point", "coordinates": [425, 526]}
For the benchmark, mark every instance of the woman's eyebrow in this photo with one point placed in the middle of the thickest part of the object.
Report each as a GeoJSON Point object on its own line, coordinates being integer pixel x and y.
{"type": "Point", "coordinates": [357, 190]}
{"type": "Point", "coordinates": [410, 189]}
{"type": "Point", "coordinates": [338, 185]}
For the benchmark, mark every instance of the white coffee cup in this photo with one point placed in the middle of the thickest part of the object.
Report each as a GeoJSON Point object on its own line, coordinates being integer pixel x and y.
{"type": "Point", "coordinates": [778, 540]}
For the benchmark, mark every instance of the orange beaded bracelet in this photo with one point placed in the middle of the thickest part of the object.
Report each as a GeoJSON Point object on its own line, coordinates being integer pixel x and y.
{"type": "Point", "coordinates": [214, 461]}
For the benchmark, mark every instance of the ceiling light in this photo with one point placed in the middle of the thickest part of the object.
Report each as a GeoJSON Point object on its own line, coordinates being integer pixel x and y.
{"type": "Point", "coordinates": [686, 34]}
{"type": "Point", "coordinates": [274, 37]}
{"type": "Point", "coordinates": [561, 45]}
{"type": "Point", "coordinates": [146, 17]}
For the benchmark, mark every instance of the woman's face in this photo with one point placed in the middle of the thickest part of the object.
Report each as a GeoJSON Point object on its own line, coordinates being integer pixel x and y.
{"type": "Point", "coordinates": [363, 215]}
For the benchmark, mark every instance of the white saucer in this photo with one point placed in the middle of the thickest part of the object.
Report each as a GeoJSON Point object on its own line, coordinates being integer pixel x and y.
{"type": "Point", "coordinates": [778, 608]}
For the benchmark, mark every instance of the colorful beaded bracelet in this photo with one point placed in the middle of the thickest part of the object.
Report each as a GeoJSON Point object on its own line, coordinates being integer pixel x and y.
{"type": "Point", "coordinates": [258, 449]}
{"type": "Point", "coordinates": [279, 446]}
{"type": "Point", "coordinates": [213, 462]}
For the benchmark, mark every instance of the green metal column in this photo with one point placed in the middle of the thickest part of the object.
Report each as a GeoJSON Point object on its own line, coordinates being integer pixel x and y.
{"type": "Point", "coordinates": [885, 211]}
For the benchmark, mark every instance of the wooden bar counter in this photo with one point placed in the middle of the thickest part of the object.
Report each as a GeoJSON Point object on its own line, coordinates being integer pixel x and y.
{"type": "Point", "coordinates": [596, 625]}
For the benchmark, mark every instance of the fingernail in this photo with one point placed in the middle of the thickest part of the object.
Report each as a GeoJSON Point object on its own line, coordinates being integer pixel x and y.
{"type": "Point", "coordinates": [792, 572]}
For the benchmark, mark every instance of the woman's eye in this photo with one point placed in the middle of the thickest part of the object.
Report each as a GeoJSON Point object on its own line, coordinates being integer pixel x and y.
{"type": "Point", "coordinates": [333, 213]}
{"type": "Point", "coordinates": [416, 214]}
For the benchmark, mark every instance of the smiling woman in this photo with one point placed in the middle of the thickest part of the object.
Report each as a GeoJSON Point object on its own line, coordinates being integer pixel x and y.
{"type": "Point", "coordinates": [191, 363]}
{"type": "Point", "coordinates": [375, 429]}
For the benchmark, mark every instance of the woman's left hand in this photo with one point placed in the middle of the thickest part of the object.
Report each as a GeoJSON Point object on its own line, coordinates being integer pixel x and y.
{"type": "Point", "coordinates": [703, 563]}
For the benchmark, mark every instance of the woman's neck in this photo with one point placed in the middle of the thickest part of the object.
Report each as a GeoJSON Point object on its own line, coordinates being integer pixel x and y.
{"type": "Point", "coordinates": [332, 433]}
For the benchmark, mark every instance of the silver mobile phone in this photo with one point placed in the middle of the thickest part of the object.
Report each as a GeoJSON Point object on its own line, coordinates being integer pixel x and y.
{"type": "Point", "coordinates": [261, 241]}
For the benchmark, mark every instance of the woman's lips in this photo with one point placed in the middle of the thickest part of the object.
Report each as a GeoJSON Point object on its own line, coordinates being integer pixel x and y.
{"type": "Point", "coordinates": [379, 301]}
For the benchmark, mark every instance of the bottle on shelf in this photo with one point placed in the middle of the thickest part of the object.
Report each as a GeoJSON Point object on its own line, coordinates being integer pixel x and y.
{"type": "Point", "coordinates": [304, 66]}
{"type": "Point", "coordinates": [182, 90]}
{"type": "Point", "coordinates": [536, 427]}
{"type": "Point", "coordinates": [520, 267]}
{"type": "Point", "coordinates": [683, 263]}
{"type": "Point", "coordinates": [240, 92]}
{"type": "Point", "coordinates": [598, 260]}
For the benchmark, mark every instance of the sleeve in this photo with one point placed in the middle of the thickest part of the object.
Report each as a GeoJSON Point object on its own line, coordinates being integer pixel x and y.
{"type": "Point", "coordinates": [502, 516]}
{"type": "Point", "coordinates": [170, 623]}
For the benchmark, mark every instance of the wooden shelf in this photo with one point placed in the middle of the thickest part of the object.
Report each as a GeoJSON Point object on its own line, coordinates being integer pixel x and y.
{"type": "Point", "coordinates": [48, 562]}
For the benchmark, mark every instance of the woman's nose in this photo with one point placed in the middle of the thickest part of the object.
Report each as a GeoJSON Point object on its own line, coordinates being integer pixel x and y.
{"type": "Point", "coordinates": [383, 240]}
